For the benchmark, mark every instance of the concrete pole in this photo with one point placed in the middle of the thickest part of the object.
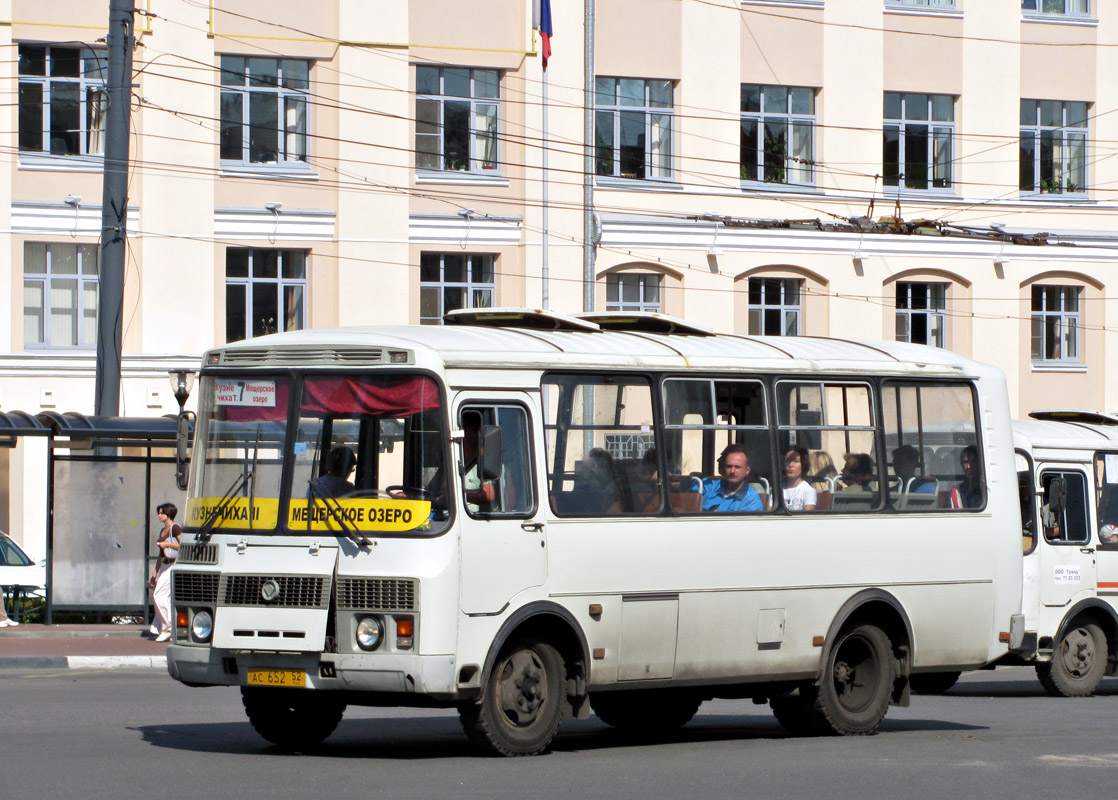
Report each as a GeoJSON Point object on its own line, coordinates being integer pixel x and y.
{"type": "Point", "coordinates": [588, 166]}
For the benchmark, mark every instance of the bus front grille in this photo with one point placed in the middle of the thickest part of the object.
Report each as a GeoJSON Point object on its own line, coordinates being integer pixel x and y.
{"type": "Point", "coordinates": [291, 591]}
{"type": "Point", "coordinates": [197, 553]}
{"type": "Point", "coordinates": [195, 587]}
{"type": "Point", "coordinates": [379, 594]}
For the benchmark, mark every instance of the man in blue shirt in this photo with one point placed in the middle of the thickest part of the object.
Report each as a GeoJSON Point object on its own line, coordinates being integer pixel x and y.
{"type": "Point", "coordinates": [732, 491]}
{"type": "Point", "coordinates": [906, 460]}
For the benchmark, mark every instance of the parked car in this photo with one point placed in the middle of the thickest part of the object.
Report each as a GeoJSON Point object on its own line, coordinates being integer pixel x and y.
{"type": "Point", "coordinates": [17, 568]}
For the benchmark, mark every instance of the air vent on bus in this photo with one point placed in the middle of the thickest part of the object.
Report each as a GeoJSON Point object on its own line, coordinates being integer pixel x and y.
{"type": "Point", "coordinates": [376, 594]}
{"type": "Point", "coordinates": [644, 322]}
{"type": "Point", "coordinates": [195, 587]}
{"type": "Point", "coordinates": [531, 318]}
{"type": "Point", "coordinates": [295, 591]}
{"type": "Point", "coordinates": [316, 356]}
{"type": "Point", "coordinates": [193, 553]}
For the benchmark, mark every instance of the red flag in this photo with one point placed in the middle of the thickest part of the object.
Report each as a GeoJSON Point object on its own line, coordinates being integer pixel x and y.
{"type": "Point", "coordinates": [541, 21]}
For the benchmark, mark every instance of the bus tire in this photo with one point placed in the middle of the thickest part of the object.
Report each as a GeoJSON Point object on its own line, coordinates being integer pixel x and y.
{"type": "Point", "coordinates": [291, 720]}
{"type": "Point", "coordinates": [800, 715]}
{"type": "Point", "coordinates": [1078, 662]}
{"type": "Point", "coordinates": [858, 681]}
{"type": "Point", "coordinates": [649, 711]}
{"type": "Point", "coordinates": [933, 682]}
{"type": "Point", "coordinates": [522, 702]}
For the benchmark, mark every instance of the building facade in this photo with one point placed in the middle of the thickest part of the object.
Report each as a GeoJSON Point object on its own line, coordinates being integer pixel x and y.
{"type": "Point", "coordinates": [936, 171]}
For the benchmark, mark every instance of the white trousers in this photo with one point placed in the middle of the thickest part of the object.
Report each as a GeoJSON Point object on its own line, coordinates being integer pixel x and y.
{"type": "Point", "coordinates": [161, 598]}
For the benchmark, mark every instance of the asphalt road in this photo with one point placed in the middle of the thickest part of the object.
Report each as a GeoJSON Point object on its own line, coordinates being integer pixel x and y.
{"type": "Point", "coordinates": [138, 734]}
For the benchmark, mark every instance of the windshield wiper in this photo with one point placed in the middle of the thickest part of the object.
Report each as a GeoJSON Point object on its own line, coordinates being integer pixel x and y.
{"type": "Point", "coordinates": [204, 533]}
{"type": "Point", "coordinates": [334, 509]}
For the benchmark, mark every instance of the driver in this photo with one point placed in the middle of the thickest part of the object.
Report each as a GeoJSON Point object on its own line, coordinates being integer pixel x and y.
{"type": "Point", "coordinates": [340, 463]}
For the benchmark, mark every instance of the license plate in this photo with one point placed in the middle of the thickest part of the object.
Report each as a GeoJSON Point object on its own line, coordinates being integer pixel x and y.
{"type": "Point", "coordinates": [277, 677]}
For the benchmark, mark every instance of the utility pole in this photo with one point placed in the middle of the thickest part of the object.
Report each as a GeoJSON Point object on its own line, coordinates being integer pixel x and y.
{"type": "Point", "coordinates": [588, 237]}
{"type": "Point", "coordinates": [114, 208]}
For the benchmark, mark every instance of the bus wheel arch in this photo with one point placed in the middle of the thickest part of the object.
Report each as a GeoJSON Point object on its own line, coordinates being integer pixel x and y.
{"type": "Point", "coordinates": [538, 661]}
{"type": "Point", "coordinates": [882, 610]}
{"type": "Point", "coordinates": [1083, 651]}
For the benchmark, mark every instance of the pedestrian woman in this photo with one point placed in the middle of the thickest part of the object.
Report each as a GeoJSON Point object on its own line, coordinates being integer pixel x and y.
{"type": "Point", "coordinates": [168, 545]}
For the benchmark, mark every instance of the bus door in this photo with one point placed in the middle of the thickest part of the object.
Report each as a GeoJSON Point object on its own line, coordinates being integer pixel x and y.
{"type": "Point", "coordinates": [503, 541]}
{"type": "Point", "coordinates": [1067, 549]}
{"type": "Point", "coordinates": [1106, 523]}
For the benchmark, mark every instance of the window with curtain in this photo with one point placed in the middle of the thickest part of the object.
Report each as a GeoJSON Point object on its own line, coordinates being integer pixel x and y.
{"type": "Point", "coordinates": [456, 119]}
{"type": "Point", "coordinates": [265, 292]}
{"type": "Point", "coordinates": [264, 111]}
{"type": "Point", "coordinates": [60, 283]}
{"type": "Point", "coordinates": [633, 122]}
{"type": "Point", "coordinates": [62, 100]}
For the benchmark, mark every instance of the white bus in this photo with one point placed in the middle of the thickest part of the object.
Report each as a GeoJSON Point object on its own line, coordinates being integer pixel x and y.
{"type": "Point", "coordinates": [505, 515]}
{"type": "Point", "coordinates": [1068, 473]}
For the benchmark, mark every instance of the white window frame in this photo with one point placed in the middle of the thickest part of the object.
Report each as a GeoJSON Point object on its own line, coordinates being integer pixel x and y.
{"type": "Point", "coordinates": [476, 162]}
{"type": "Point", "coordinates": [49, 282]}
{"type": "Point", "coordinates": [281, 282]}
{"type": "Point", "coordinates": [1069, 176]}
{"type": "Point", "coordinates": [615, 101]}
{"type": "Point", "coordinates": [647, 285]}
{"type": "Point", "coordinates": [922, 3]}
{"type": "Point", "coordinates": [932, 297]}
{"type": "Point", "coordinates": [290, 89]}
{"type": "Point", "coordinates": [918, 114]}
{"type": "Point", "coordinates": [787, 307]}
{"type": "Point", "coordinates": [1068, 8]}
{"type": "Point", "coordinates": [92, 101]}
{"type": "Point", "coordinates": [1059, 318]}
{"type": "Point", "coordinates": [798, 168]}
{"type": "Point", "coordinates": [478, 292]}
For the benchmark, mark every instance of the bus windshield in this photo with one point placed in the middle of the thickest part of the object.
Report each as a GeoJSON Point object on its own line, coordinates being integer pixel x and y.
{"type": "Point", "coordinates": [367, 455]}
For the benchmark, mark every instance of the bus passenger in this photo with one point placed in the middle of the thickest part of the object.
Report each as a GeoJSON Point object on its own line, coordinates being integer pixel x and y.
{"type": "Point", "coordinates": [857, 472]}
{"type": "Point", "coordinates": [481, 496]}
{"type": "Point", "coordinates": [821, 471]}
{"type": "Point", "coordinates": [732, 491]}
{"type": "Point", "coordinates": [340, 463]}
{"type": "Point", "coordinates": [906, 459]}
{"type": "Point", "coordinates": [798, 493]}
{"type": "Point", "coordinates": [970, 492]}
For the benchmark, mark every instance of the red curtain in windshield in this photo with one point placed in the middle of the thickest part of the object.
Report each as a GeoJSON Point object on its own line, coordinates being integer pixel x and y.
{"type": "Point", "coordinates": [351, 396]}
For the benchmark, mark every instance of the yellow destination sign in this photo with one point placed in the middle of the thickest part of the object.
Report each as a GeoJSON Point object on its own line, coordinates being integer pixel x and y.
{"type": "Point", "coordinates": [364, 514]}
{"type": "Point", "coordinates": [236, 513]}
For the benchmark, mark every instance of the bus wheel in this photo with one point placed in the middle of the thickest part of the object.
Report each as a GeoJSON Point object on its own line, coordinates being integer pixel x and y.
{"type": "Point", "coordinates": [1078, 663]}
{"type": "Point", "coordinates": [933, 682]}
{"type": "Point", "coordinates": [648, 711]}
{"type": "Point", "coordinates": [522, 703]}
{"type": "Point", "coordinates": [858, 682]}
{"type": "Point", "coordinates": [800, 715]}
{"type": "Point", "coordinates": [289, 720]}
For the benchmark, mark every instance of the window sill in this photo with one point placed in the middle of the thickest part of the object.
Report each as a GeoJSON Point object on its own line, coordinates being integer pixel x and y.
{"type": "Point", "coordinates": [920, 194]}
{"type": "Point", "coordinates": [922, 11]}
{"type": "Point", "coordinates": [47, 162]}
{"type": "Point", "coordinates": [1059, 19]}
{"type": "Point", "coordinates": [267, 171]}
{"type": "Point", "coordinates": [761, 187]}
{"type": "Point", "coordinates": [636, 185]}
{"type": "Point", "coordinates": [1055, 366]}
{"type": "Point", "coordinates": [448, 177]}
{"type": "Point", "coordinates": [784, 3]}
{"type": "Point", "coordinates": [1073, 198]}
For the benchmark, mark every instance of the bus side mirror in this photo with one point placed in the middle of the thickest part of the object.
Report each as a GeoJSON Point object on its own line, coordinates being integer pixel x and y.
{"type": "Point", "coordinates": [489, 453]}
{"type": "Point", "coordinates": [182, 448]}
{"type": "Point", "coordinates": [1055, 495]}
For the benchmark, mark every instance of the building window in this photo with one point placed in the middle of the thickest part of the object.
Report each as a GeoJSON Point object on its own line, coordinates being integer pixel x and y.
{"type": "Point", "coordinates": [633, 128]}
{"type": "Point", "coordinates": [1056, 323]}
{"type": "Point", "coordinates": [62, 100]}
{"type": "Point", "coordinates": [59, 295]}
{"type": "Point", "coordinates": [265, 292]}
{"type": "Point", "coordinates": [633, 291]}
{"type": "Point", "coordinates": [777, 134]}
{"type": "Point", "coordinates": [1069, 8]}
{"type": "Point", "coordinates": [264, 110]}
{"type": "Point", "coordinates": [456, 113]}
{"type": "Point", "coordinates": [449, 281]}
{"type": "Point", "coordinates": [774, 306]}
{"type": "Point", "coordinates": [1053, 146]}
{"type": "Point", "coordinates": [919, 129]}
{"type": "Point", "coordinates": [922, 313]}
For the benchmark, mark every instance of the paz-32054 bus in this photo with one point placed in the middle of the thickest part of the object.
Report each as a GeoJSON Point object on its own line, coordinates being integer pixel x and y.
{"type": "Point", "coordinates": [511, 515]}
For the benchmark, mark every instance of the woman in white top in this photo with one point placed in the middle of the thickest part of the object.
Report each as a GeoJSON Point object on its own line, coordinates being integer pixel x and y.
{"type": "Point", "coordinates": [799, 495]}
{"type": "Point", "coordinates": [168, 545]}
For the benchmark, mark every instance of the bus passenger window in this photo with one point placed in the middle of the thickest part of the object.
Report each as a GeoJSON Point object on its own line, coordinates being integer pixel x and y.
{"type": "Point", "coordinates": [1064, 513]}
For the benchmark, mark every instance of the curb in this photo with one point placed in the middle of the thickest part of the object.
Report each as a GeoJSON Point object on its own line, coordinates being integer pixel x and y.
{"type": "Point", "coordinates": [84, 662]}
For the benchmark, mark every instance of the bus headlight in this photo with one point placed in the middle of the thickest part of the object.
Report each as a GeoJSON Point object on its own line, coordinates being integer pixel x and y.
{"type": "Point", "coordinates": [370, 633]}
{"type": "Point", "coordinates": [202, 626]}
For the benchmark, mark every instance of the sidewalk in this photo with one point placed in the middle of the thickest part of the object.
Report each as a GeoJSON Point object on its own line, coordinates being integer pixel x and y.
{"type": "Point", "coordinates": [80, 647]}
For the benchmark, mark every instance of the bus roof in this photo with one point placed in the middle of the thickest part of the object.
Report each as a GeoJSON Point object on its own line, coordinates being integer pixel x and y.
{"type": "Point", "coordinates": [1051, 434]}
{"type": "Point", "coordinates": [494, 346]}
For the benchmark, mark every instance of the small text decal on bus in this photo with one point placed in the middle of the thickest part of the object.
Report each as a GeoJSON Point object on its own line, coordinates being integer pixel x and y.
{"type": "Point", "coordinates": [245, 393]}
{"type": "Point", "coordinates": [1066, 573]}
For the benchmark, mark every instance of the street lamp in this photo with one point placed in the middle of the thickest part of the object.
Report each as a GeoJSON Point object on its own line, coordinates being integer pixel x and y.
{"type": "Point", "coordinates": [182, 381]}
